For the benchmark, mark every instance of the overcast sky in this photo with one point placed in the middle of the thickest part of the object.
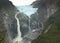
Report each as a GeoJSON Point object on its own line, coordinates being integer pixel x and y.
{"type": "Point", "coordinates": [22, 2]}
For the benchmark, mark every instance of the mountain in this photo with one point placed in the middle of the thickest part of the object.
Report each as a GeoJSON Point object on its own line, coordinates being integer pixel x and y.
{"type": "Point", "coordinates": [45, 9]}
{"type": "Point", "coordinates": [51, 22]}
{"type": "Point", "coordinates": [6, 20]}
{"type": "Point", "coordinates": [52, 35]}
{"type": "Point", "coordinates": [8, 25]}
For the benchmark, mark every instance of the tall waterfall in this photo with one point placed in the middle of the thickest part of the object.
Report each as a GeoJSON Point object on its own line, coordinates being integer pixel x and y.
{"type": "Point", "coordinates": [18, 39]}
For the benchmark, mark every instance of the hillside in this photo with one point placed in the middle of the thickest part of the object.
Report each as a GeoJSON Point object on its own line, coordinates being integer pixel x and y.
{"type": "Point", "coordinates": [53, 34]}
{"type": "Point", "coordinates": [6, 17]}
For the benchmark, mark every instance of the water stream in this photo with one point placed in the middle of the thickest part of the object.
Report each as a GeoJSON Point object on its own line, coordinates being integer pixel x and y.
{"type": "Point", "coordinates": [31, 35]}
{"type": "Point", "coordinates": [18, 39]}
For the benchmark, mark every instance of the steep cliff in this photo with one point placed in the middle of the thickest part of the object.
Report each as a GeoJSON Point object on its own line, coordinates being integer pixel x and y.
{"type": "Point", "coordinates": [52, 35]}
{"type": "Point", "coordinates": [51, 31]}
{"type": "Point", "coordinates": [45, 9]}
{"type": "Point", "coordinates": [6, 19]}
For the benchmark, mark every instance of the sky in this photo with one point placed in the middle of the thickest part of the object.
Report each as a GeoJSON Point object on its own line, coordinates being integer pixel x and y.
{"type": "Point", "coordinates": [24, 6]}
{"type": "Point", "coordinates": [22, 2]}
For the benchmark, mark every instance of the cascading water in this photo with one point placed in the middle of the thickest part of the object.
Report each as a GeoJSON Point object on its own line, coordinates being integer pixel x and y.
{"type": "Point", "coordinates": [18, 39]}
{"type": "Point", "coordinates": [29, 25]}
{"type": "Point", "coordinates": [25, 7]}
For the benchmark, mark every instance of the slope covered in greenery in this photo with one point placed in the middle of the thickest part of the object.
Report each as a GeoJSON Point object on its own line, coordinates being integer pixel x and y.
{"type": "Point", "coordinates": [53, 35]}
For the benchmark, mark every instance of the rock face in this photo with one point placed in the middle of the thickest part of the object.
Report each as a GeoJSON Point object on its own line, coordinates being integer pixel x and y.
{"type": "Point", "coordinates": [45, 9]}
{"type": "Point", "coordinates": [50, 15]}
{"type": "Point", "coordinates": [2, 30]}
{"type": "Point", "coordinates": [52, 36]}
{"type": "Point", "coordinates": [7, 20]}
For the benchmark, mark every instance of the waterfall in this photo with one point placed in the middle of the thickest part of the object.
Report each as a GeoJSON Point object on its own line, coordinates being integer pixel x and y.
{"type": "Point", "coordinates": [18, 39]}
{"type": "Point", "coordinates": [29, 25]}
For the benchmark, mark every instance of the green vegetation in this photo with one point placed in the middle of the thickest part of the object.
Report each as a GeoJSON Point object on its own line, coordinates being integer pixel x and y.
{"type": "Point", "coordinates": [53, 35]}
{"type": "Point", "coordinates": [2, 29]}
{"type": "Point", "coordinates": [2, 37]}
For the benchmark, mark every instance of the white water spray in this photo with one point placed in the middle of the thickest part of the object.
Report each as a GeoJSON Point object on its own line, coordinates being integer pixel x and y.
{"type": "Point", "coordinates": [18, 39]}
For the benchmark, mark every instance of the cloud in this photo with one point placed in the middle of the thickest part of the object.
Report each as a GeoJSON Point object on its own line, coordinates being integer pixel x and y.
{"type": "Point", "coordinates": [22, 2]}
